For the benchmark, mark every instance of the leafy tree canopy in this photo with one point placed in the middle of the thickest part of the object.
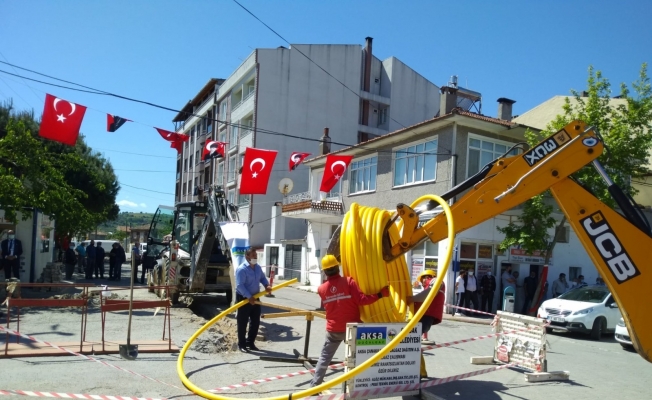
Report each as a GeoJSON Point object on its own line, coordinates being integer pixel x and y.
{"type": "Point", "coordinates": [625, 124]}
{"type": "Point", "coordinates": [75, 185]}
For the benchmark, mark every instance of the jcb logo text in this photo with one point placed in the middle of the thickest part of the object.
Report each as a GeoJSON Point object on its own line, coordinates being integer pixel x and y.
{"type": "Point", "coordinates": [548, 146]}
{"type": "Point", "coordinates": [610, 249]}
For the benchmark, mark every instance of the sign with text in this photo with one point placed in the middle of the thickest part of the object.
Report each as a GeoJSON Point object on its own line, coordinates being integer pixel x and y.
{"type": "Point", "coordinates": [521, 256]}
{"type": "Point", "coordinates": [399, 367]}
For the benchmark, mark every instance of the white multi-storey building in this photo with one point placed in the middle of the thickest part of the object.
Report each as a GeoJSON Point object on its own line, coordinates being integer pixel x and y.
{"type": "Point", "coordinates": [286, 90]}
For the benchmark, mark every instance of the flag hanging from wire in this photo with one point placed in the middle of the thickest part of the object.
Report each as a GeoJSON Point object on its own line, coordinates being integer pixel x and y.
{"type": "Point", "coordinates": [297, 158]}
{"type": "Point", "coordinates": [212, 149]}
{"type": "Point", "coordinates": [61, 120]}
{"type": "Point", "coordinates": [113, 122]}
{"type": "Point", "coordinates": [176, 139]}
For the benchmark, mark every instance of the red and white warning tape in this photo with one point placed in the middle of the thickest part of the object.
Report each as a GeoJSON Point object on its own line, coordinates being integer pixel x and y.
{"type": "Point", "coordinates": [441, 381]}
{"type": "Point", "coordinates": [272, 378]}
{"type": "Point", "coordinates": [16, 333]}
{"type": "Point", "coordinates": [436, 346]}
{"type": "Point", "coordinates": [471, 310]}
{"type": "Point", "coordinates": [8, 392]}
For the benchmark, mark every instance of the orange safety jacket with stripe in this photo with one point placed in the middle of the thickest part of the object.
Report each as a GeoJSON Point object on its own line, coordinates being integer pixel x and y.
{"type": "Point", "coordinates": [342, 300]}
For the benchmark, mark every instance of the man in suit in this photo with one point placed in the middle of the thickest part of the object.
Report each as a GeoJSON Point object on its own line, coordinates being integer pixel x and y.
{"type": "Point", "coordinates": [12, 249]}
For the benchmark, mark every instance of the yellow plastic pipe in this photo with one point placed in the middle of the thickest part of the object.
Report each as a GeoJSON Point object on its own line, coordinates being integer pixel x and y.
{"type": "Point", "coordinates": [358, 369]}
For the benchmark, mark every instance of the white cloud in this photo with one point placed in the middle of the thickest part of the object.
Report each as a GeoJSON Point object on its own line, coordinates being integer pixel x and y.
{"type": "Point", "coordinates": [143, 205]}
{"type": "Point", "coordinates": [127, 203]}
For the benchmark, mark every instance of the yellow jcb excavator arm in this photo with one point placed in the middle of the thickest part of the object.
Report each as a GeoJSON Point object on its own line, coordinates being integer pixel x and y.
{"type": "Point", "coordinates": [619, 246]}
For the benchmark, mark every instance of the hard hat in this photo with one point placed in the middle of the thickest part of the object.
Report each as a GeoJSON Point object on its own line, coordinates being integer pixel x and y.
{"type": "Point", "coordinates": [329, 261]}
{"type": "Point", "coordinates": [427, 272]}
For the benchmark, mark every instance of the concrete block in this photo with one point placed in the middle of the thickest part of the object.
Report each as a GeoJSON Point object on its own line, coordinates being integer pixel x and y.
{"type": "Point", "coordinates": [482, 360]}
{"type": "Point", "coordinates": [547, 376]}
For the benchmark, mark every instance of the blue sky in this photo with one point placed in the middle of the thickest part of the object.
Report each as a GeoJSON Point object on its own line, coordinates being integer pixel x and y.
{"type": "Point", "coordinates": [165, 51]}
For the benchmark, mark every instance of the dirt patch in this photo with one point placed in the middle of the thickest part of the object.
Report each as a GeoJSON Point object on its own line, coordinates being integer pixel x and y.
{"type": "Point", "coordinates": [219, 338]}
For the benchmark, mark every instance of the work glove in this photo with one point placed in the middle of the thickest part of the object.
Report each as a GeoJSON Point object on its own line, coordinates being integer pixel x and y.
{"type": "Point", "coordinates": [384, 292]}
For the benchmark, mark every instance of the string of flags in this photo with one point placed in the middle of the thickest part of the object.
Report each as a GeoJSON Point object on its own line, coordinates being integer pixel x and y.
{"type": "Point", "coordinates": [62, 121]}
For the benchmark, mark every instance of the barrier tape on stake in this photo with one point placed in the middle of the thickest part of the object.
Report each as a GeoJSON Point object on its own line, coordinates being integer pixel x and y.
{"type": "Point", "coordinates": [470, 309]}
{"type": "Point", "coordinates": [8, 392]}
{"type": "Point", "coordinates": [74, 353]}
{"type": "Point", "coordinates": [272, 378]}
{"type": "Point", "coordinates": [436, 346]}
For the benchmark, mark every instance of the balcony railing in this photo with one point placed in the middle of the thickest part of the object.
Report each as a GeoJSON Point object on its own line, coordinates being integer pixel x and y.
{"type": "Point", "coordinates": [241, 102]}
{"type": "Point", "coordinates": [303, 201]}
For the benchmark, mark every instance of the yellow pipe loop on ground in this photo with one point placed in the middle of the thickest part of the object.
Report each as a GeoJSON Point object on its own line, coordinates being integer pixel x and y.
{"type": "Point", "coordinates": [361, 253]}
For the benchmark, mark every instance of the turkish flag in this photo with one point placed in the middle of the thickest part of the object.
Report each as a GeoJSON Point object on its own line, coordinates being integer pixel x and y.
{"type": "Point", "coordinates": [296, 158]}
{"type": "Point", "coordinates": [61, 120]}
{"type": "Point", "coordinates": [113, 122]}
{"type": "Point", "coordinates": [334, 171]}
{"type": "Point", "coordinates": [256, 169]}
{"type": "Point", "coordinates": [212, 149]}
{"type": "Point", "coordinates": [177, 139]}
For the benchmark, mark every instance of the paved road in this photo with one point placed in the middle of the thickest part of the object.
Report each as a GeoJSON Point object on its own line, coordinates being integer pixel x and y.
{"type": "Point", "coordinates": [597, 369]}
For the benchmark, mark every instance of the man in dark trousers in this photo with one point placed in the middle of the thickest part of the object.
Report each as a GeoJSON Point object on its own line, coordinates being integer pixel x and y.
{"type": "Point", "coordinates": [248, 278]}
{"type": "Point", "coordinates": [530, 286]}
{"type": "Point", "coordinates": [91, 259]}
{"type": "Point", "coordinates": [487, 290]}
{"type": "Point", "coordinates": [99, 260]}
{"type": "Point", "coordinates": [117, 257]}
{"type": "Point", "coordinates": [342, 299]}
{"type": "Point", "coordinates": [12, 249]}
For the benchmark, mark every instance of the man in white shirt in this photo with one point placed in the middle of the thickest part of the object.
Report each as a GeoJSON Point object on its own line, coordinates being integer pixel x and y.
{"type": "Point", "coordinates": [459, 292]}
{"type": "Point", "coordinates": [471, 290]}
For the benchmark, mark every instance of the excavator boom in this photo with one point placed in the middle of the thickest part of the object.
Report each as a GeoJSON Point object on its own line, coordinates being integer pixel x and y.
{"type": "Point", "coordinates": [618, 245]}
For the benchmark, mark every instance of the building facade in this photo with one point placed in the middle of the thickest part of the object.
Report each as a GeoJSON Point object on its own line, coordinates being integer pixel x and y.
{"type": "Point", "coordinates": [285, 91]}
{"type": "Point", "coordinates": [427, 158]}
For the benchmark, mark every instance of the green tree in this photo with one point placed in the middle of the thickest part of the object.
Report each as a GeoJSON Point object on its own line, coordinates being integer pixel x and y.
{"type": "Point", "coordinates": [72, 184]}
{"type": "Point", "coordinates": [625, 124]}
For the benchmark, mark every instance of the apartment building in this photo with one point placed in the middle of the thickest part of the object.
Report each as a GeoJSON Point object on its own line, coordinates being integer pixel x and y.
{"type": "Point", "coordinates": [286, 91]}
{"type": "Point", "coordinates": [430, 157]}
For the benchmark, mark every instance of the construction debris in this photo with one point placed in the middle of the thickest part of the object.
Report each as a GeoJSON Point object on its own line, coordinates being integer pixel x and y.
{"type": "Point", "coordinates": [220, 338]}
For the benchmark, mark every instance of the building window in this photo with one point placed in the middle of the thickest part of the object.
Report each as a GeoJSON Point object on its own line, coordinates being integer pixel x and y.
{"type": "Point", "coordinates": [416, 163]}
{"type": "Point", "coordinates": [209, 122]}
{"type": "Point", "coordinates": [564, 236]}
{"type": "Point", "coordinates": [218, 177]}
{"type": "Point", "coordinates": [232, 172]}
{"type": "Point", "coordinates": [222, 136]}
{"type": "Point", "coordinates": [185, 165]}
{"type": "Point", "coordinates": [382, 116]}
{"type": "Point", "coordinates": [243, 199]}
{"type": "Point", "coordinates": [224, 110]}
{"type": "Point", "coordinates": [184, 191]}
{"type": "Point", "coordinates": [197, 158]}
{"type": "Point", "coordinates": [363, 175]}
{"type": "Point", "coordinates": [190, 162]}
{"type": "Point", "coordinates": [233, 141]}
{"type": "Point", "coordinates": [573, 273]}
{"type": "Point", "coordinates": [476, 257]}
{"type": "Point", "coordinates": [482, 151]}
{"type": "Point", "coordinates": [230, 197]}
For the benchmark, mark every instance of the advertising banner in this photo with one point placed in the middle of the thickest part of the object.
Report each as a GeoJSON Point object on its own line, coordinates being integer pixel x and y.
{"type": "Point", "coordinates": [399, 367]}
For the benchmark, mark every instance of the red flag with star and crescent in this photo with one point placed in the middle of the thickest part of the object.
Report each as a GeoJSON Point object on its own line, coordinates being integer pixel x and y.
{"type": "Point", "coordinates": [256, 170]}
{"type": "Point", "coordinates": [334, 171]}
{"type": "Point", "coordinates": [61, 120]}
{"type": "Point", "coordinates": [176, 139]}
{"type": "Point", "coordinates": [212, 149]}
{"type": "Point", "coordinates": [297, 158]}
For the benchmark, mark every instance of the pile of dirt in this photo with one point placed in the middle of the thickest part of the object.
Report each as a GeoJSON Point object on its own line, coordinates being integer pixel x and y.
{"type": "Point", "coordinates": [219, 338]}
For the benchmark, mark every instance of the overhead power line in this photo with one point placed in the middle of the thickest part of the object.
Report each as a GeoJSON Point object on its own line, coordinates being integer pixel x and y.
{"type": "Point", "coordinates": [215, 120]}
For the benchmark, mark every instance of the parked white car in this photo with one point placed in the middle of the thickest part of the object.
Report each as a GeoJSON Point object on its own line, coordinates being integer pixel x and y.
{"type": "Point", "coordinates": [589, 309]}
{"type": "Point", "coordinates": [622, 335]}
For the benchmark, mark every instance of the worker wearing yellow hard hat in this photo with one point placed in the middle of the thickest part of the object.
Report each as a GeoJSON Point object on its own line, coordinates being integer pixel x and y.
{"type": "Point", "coordinates": [342, 299]}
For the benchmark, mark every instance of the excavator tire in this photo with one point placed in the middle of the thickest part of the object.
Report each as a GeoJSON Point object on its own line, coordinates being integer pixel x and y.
{"type": "Point", "coordinates": [175, 298]}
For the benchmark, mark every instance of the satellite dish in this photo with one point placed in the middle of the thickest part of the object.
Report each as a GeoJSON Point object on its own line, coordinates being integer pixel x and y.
{"type": "Point", "coordinates": [285, 186]}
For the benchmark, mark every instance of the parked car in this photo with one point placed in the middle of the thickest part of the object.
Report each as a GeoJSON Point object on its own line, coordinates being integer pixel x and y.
{"type": "Point", "coordinates": [622, 335]}
{"type": "Point", "coordinates": [589, 309]}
